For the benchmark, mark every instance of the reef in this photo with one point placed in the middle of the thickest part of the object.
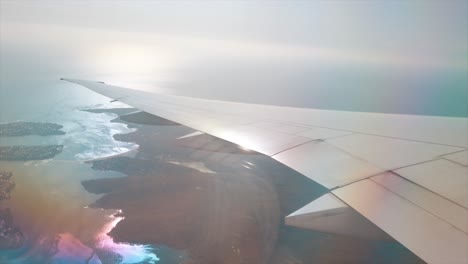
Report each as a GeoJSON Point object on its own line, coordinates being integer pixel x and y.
{"type": "Point", "coordinates": [24, 153]}
{"type": "Point", "coordinates": [18, 129]}
{"type": "Point", "coordinates": [6, 185]}
{"type": "Point", "coordinates": [11, 236]}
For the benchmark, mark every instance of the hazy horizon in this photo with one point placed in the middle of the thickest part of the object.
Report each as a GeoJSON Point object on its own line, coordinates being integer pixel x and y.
{"type": "Point", "coordinates": [396, 57]}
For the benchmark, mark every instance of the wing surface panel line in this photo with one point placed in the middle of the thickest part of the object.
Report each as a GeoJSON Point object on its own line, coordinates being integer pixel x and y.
{"type": "Point", "coordinates": [311, 140]}
{"type": "Point", "coordinates": [444, 158]}
{"type": "Point", "coordinates": [429, 190]}
{"type": "Point", "coordinates": [393, 171]}
{"type": "Point", "coordinates": [385, 187]}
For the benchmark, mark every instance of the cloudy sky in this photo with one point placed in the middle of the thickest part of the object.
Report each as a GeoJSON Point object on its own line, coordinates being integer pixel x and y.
{"type": "Point", "coordinates": [326, 54]}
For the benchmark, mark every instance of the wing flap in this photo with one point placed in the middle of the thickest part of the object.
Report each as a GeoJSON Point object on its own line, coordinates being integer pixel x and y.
{"type": "Point", "coordinates": [446, 210]}
{"type": "Point", "coordinates": [441, 176]}
{"type": "Point", "coordinates": [459, 157]}
{"type": "Point", "coordinates": [329, 214]}
{"type": "Point", "coordinates": [428, 236]}
{"type": "Point", "coordinates": [390, 153]}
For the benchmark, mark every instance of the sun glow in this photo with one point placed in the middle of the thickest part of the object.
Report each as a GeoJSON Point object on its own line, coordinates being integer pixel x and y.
{"type": "Point", "coordinates": [130, 65]}
{"type": "Point", "coordinates": [130, 59]}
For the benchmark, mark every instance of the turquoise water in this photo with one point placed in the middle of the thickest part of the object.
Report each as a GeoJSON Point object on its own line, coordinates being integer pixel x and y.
{"type": "Point", "coordinates": [49, 203]}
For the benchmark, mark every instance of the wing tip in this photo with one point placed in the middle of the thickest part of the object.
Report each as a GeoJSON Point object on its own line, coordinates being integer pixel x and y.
{"type": "Point", "coordinates": [77, 80]}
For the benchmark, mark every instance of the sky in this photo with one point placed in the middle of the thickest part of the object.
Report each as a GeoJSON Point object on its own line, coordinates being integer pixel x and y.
{"type": "Point", "coordinates": [386, 56]}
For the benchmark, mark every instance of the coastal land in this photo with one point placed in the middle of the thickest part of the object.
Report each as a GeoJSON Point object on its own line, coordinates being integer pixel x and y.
{"type": "Point", "coordinates": [11, 236]}
{"type": "Point", "coordinates": [18, 129]}
{"type": "Point", "coordinates": [6, 185]}
{"type": "Point", "coordinates": [117, 111]}
{"type": "Point", "coordinates": [25, 153]}
{"type": "Point", "coordinates": [216, 206]}
{"type": "Point", "coordinates": [135, 116]}
{"type": "Point", "coordinates": [209, 143]}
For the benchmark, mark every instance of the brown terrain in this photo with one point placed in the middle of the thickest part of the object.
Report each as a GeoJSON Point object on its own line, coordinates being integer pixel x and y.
{"type": "Point", "coordinates": [232, 216]}
{"type": "Point", "coordinates": [216, 217]}
{"type": "Point", "coordinates": [11, 236]}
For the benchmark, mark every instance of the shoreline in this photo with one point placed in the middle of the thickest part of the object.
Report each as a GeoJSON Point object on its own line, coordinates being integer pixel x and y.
{"type": "Point", "coordinates": [123, 154]}
{"type": "Point", "coordinates": [196, 186]}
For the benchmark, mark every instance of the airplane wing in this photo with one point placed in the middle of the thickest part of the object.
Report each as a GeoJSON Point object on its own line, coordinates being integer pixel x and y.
{"type": "Point", "coordinates": [407, 174]}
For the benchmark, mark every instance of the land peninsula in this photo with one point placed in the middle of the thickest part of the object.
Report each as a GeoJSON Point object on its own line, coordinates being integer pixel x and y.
{"type": "Point", "coordinates": [18, 129]}
{"type": "Point", "coordinates": [10, 236]}
{"type": "Point", "coordinates": [25, 153]}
